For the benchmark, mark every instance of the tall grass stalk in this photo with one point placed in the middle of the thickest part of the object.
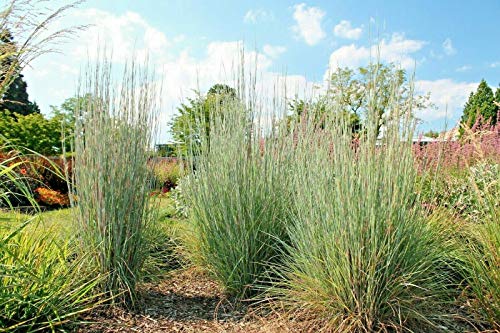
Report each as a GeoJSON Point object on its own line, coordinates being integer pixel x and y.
{"type": "Point", "coordinates": [362, 258]}
{"type": "Point", "coordinates": [43, 285]}
{"type": "Point", "coordinates": [239, 198]}
{"type": "Point", "coordinates": [482, 254]}
{"type": "Point", "coordinates": [114, 133]}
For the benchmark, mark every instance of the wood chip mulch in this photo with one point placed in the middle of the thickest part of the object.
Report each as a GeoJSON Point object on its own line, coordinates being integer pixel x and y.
{"type": "Point", "coordinates": [186, 301]}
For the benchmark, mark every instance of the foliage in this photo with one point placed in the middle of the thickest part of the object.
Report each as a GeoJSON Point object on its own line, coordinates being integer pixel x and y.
{"type": "Point", "coordinates": [67, 111]}
{"type": "Point", "coordinates": [477, 144]}
{"type": "Point", "coordinates": [16, 185]}
{"type": "Point", "coordinates": [315, 111]}
{"type": "Point", "coordinates": [361, 256]}
{"type": "Point", "coordinates": [432, 134]}
{"type": "Point", "coordinates": [178, 195]}
{"type": "Point", "coordinates": [34, 177]}
{"type": "Point", "coordinates": [194, 117]}
{"type": "Point", "coordinates": [28, 21]}
{"type": "Point", "coordinates": [481, 104]}
{"type": "Point", "coordinates": [352, 90]}
{"type": "Point", "coordinates": [482, 255]}
{"type": "Point", "coordinates": [238, 200]}
{"type": "Point", "coordinates": [33, 132]}
{"type": "Point", "coordinates": [48, 197]}
{"type": "Point", "coordinates": [113, 135]}
{"type": "Point", "coordinates": [15, 97]}
{"type": "Point", "coordinates": [43, 285]}
{"type": "Point", "coordinates": [166, 173]}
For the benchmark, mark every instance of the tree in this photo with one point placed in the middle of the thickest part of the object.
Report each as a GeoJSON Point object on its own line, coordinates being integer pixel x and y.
{"type": "Point", "coordinates": [192, 124]}
{"type": "Point", "coordinates": [385, 81]}
{"type": "Point", "coordinates": [432, 134]}
{"type": "Point", "coordinates": [349, 88]}
{"type": "Point", "coordinates": [36, 132]}
{"type": "Point", "coordinates": [33, 132]}
{"type": "Point", "coordinates": [15, 98]}
{"type": "Point", "coordinates": [480, 107]}
{"type": "Point", "coordinates": [68, 110]}
{"type": "Point", "coordinates": [316, 111]}
{"type": "Point", "coordinates": [29, 21]}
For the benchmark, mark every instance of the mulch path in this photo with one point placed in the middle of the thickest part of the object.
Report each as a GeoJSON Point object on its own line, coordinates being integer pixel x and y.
{"type": "Point", "coordinates": [186, 301]}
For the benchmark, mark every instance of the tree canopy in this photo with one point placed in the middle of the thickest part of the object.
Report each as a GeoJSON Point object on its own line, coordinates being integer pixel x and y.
{"type": "Point", "coordinates": [350, 87]}
{"type": "Point", "coordinates": [39, 133]}
{"type": "Point", "coordinates": [15, 97]}
{"type": "Point", "coordinates": [480, 107]}
{"type": "Point", "coordinates": [192, 124]}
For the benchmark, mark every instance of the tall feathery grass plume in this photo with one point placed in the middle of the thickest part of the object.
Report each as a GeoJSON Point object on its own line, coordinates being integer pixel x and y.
{"type": "Point", "coordinates": [362, 257]}
{"type": "Point", "coordinates": [238, 192]}
{"type": "Point", "coordinates": [114, 135]}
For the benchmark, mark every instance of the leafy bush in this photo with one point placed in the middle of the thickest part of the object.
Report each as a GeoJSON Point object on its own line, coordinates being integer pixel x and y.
{"type": "Point", "coordinates": [40, 176]}
{"type": "Point", "coordinates": [53, 173]}
{"type": "Point", "coordinates": [166, 173]}
{"type": "Point", "coordinates": [178, 196]}
{"type": "Point", "coordinates": [19, 130]}
{"type": "Point", "coordinates": [47, 197]}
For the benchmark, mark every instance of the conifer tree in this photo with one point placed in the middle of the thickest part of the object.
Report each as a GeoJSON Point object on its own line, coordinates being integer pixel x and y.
{"type": "Point", "coordinates": [481, 104]}
{"type": "Point", "coordinates": [15, 98]}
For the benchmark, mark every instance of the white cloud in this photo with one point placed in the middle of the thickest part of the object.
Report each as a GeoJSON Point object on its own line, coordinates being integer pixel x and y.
{"type": "Point", "coordinates": [255, 15]}
{"type": "Point", "coordinates": [448, 47]}
{"type": "Point", "coordinates": [123, 34]}
{"type": "Point", "coordinates": [308, 23]}
{"type": "Point", "coordinates": [273, 51]}
{"type": "Point", "coordinates": [345, 30]}
{"type": "Point", "coordinates": [463, 68]}
{"type": "Point", "coordinates": [179, 38]}
{"type": "Point", "coordinates": [495, 64]}
{"type": "Point", "coordinates": [449, 97]}
{"type": "Point", "coordinates": [398, 49]}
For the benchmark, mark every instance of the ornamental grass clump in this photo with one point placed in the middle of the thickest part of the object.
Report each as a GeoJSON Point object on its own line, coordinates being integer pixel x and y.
{"type": "Point", "coordinates": [361, 256]}
{"type": "Point", "coordinates": [238, 197]}
{"type": "Point", "coordinates": [44, 286]}
{"type": "Point", "coordinates": [113, 137]}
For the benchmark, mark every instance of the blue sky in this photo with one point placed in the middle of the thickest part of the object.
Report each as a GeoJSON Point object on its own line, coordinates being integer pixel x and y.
{"type": "Point", "coordinates": [451, 45]}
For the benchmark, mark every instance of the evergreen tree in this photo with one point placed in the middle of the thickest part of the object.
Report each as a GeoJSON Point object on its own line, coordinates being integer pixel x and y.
{"type": "Point", "coordinates": [15, 99]}
{"type": "Point", "coordinates": [497, 100]}
{"type": "Point", "coordinates": [480, 104]}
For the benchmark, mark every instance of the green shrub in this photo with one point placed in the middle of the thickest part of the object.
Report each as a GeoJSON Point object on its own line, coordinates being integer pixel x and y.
{"type": "Point", "coordinates": [166, 174]}
{"type": "Point", "coordinates": [178, 196]}
{"type": "Point", "coordinates": [113, 136]}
